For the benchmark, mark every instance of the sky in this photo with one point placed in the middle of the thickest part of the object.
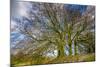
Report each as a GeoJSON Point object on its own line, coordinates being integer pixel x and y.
{"type": "Point", "coordinates": [81, 8]}
{"type": "Point", "coordinates": [19, 8]}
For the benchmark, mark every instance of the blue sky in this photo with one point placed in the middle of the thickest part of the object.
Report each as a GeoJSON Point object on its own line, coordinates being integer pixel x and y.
{"type": "Point", "coordinates": [81, 8]}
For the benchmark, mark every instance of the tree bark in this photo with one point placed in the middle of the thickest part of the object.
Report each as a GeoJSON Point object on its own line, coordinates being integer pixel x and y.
{"type": "Point", "coordinates": [61, 51]}
{"type": "Point", "coordinates": [70, 50]}
{"type": "Point", "coordinates": [75, 49]}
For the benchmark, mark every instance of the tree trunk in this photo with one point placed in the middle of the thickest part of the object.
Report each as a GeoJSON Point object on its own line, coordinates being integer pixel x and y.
{"type": "Point", "coordinates": [70, 50]}
{"type": "Point", "coordinates": [75, 49]}
{"type": "Point", "coordinates": [69, 39]}
{"type": "Point", "coordinates": [61, 51]}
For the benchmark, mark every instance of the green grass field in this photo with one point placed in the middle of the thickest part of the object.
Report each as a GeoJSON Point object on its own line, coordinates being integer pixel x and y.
{"type": "Point", "coordinates": [67, 59]}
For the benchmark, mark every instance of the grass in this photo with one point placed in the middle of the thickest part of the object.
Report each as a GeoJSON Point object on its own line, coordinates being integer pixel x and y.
{"type": "Point", "coordinates": [72, 59]}
{"type": "Point", "coordinates": [67, 59]}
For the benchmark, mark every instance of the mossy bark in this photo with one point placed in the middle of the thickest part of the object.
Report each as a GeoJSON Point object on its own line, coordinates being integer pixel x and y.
{"type": "Point", "coordinates": [61, 50]}
{"type": "Point", "coordinates": [75, 49]}
{"type": "Point", "coordinates": [70, 50]}
{"type": "Point", "coordinates": [70, 46]}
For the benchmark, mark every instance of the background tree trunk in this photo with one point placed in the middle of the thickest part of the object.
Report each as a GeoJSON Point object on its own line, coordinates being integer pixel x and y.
{"type": "Point", "coordinates": [75, 50]}
{"type": "Point", "coordinates": [75, 47]}
{"type": "Point", "coordinates": [70, 50]}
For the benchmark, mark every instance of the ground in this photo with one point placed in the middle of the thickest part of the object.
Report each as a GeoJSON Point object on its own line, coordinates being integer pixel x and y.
{"type": "Point", "coordinates": [67, 59]}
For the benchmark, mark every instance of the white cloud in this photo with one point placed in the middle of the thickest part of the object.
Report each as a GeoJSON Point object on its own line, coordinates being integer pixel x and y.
{"type": "Point", "coordinates": [13, 25]}
{"type": "Point", "coordinates": [22, 9]}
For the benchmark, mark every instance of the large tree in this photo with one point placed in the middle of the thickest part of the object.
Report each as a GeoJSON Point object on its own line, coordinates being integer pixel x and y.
{"type": "Point", "coordinates": [50, 26]}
